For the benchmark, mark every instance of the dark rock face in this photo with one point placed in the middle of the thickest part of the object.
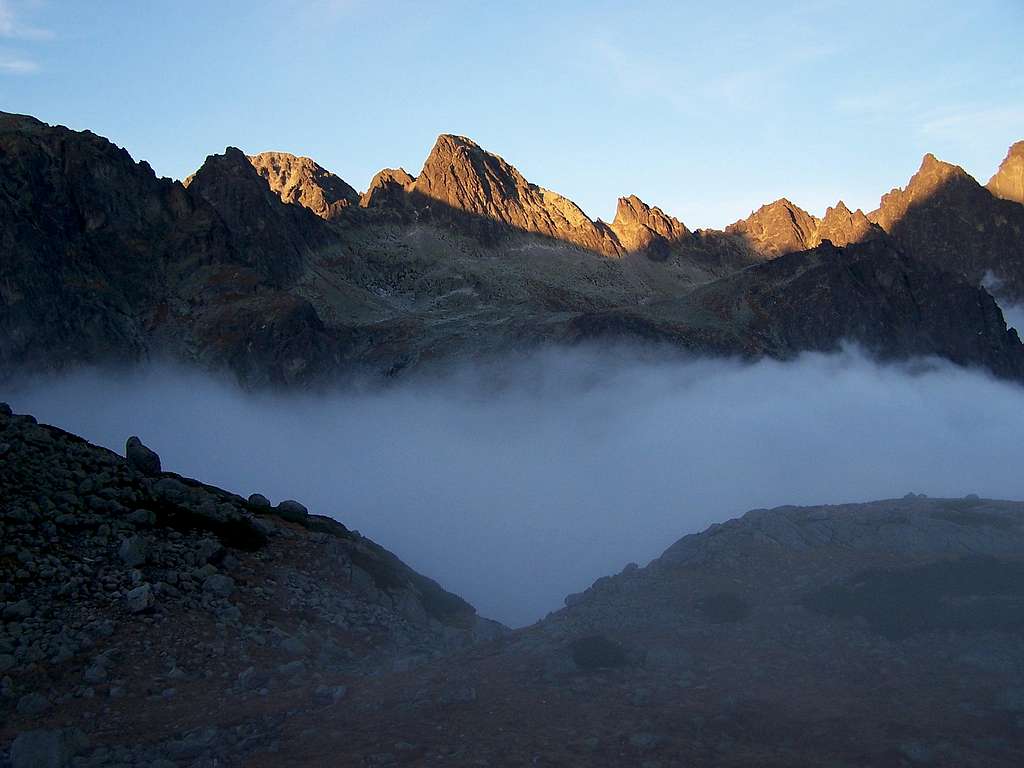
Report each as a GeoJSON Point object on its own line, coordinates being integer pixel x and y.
{"type": "Point", "coordinates": [271, 238]}
{"type": "Point", "coordinates": [87, 230]}
{"type": "Point", "coordinates": [945, 217]}
{"type": "Point", "coordinates": [869, 293]}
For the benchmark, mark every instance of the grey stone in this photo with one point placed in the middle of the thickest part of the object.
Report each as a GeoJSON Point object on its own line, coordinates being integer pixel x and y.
{"type": "Point", "coordinates": [47, 748]}
{"type": "Point", "coordinates": [292, 511]}
{"type": "Point", "coordinates": [293, 646]}
{"type": "Point", "coordinates": [139, 599]}
{"type": "Point", "coordinates": [17, 611]}
{"type": "Point", "coordinates": [95, 673]}
{"type": "Point", "coordinates": [259, 500]}
{"type": "Point", "coordinates": [133, 551]}
{"type": "Point", "coordinates": [292, 668]}
{"type": "Point", "coordinates": [219, 585]}
{"type": "Point", "coordinates": [33, 704]}
{"type": "Point", "coordinates": [325, 695]}
{"type": "Point", "coordinates": [645, 741]}
{"type": "Point", "coordinates": [141, 458]}
{"type": "Point", "coordinates": [142, 517]}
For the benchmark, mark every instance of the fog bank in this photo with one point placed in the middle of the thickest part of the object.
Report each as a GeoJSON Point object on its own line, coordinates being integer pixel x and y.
{"type": "Point", "coordinates": [516, 494]}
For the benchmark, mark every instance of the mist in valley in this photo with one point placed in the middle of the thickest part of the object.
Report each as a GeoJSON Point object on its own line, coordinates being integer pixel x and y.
{"type": "Point", "coordinates": [516, 482]}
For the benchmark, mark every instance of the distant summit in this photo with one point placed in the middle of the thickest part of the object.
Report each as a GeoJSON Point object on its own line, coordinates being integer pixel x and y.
{"type": "Point", "coordinates": [1008, 181]}
{"type": "Point", "coordinates": [301, 181]}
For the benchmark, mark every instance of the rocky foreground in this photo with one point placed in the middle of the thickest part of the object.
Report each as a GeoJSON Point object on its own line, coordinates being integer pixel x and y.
{"type": "Point", "coordinates": [151, 620]}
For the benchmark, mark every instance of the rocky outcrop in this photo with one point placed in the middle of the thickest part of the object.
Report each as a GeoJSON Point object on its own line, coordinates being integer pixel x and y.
{"type": "Point", "coordinates": [945, 217]}
{"type": "Point", "coordinates": [300, 181]}
{"type": "Point", "coordinates": [388, 190]}
{"type": "Point", "coordinates": [641, 228]}
{"type": "Point", "coordinates": [1008, 182]}
{"type": "Point", "coordinates": [162, 615]}
{"type": "Point", "coordinates": [870, 293]}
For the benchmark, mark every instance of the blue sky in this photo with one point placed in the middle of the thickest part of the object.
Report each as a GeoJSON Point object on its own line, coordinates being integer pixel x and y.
{"type": "Point", "coordinates": [706, 109]}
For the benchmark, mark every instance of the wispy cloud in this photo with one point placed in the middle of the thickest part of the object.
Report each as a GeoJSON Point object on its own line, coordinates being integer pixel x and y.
{"type": "Point", "coordinates": [691, 82]}
{"type": "Point", "coordinates": [14, 64]}
{"type": "Point", "coordinates": [14, 28]}
{"type": "Point", "coordinates": [962, 119]}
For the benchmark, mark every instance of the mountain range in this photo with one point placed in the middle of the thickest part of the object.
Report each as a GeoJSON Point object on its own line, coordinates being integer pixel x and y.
{"type": "Point", "coordinates": [277, 270]}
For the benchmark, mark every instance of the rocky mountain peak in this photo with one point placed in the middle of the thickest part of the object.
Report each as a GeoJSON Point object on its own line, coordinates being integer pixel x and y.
{"type": "Point", "coordinates": [301, 181]}
{"type": "Point", "coordinates": [388, 188]}
{"type": "Point", "coordinates": [842, 226]}
{"type": "Point", "coordinates": [777, 228]}
{"type": "Point", "coordinates": [935, 181]}
{"type": "Point", "coordinates": [640, 227]}
{"type": "Point", "coordinates": [1008, 181]}
{"type": "Point", "coordinates": [484, 193]}
{"type": "Point", "coordinates": [271, 236]}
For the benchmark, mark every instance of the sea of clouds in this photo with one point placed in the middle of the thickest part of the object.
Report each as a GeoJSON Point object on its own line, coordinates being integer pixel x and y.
{"type": "Point", "coordinates": [518, 481]}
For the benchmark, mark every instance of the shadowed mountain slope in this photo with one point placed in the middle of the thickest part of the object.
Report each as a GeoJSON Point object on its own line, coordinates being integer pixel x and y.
{"type": "Point", "coordinates": [869, 293]}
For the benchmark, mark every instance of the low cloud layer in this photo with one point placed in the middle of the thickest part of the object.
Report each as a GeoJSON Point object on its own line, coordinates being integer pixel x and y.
{"type": "Point", "coordinates": [517, 483]}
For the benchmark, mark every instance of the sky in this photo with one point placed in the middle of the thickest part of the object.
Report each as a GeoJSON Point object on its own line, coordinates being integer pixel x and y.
{"type": "Point", "coordinates": [706, 109]}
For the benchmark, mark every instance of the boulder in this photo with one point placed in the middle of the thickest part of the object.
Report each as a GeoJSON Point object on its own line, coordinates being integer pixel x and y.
{"type": "Point", "coordinates": [292, 511]}
{"type": "Point", "coordinates": [141, 458]}
{"type": "Point", "coordinates": [139, 599]}
{"type": "Point", "coordinates": [219, 585]}
{"type": "Point", "coordinates": [133, 551]}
